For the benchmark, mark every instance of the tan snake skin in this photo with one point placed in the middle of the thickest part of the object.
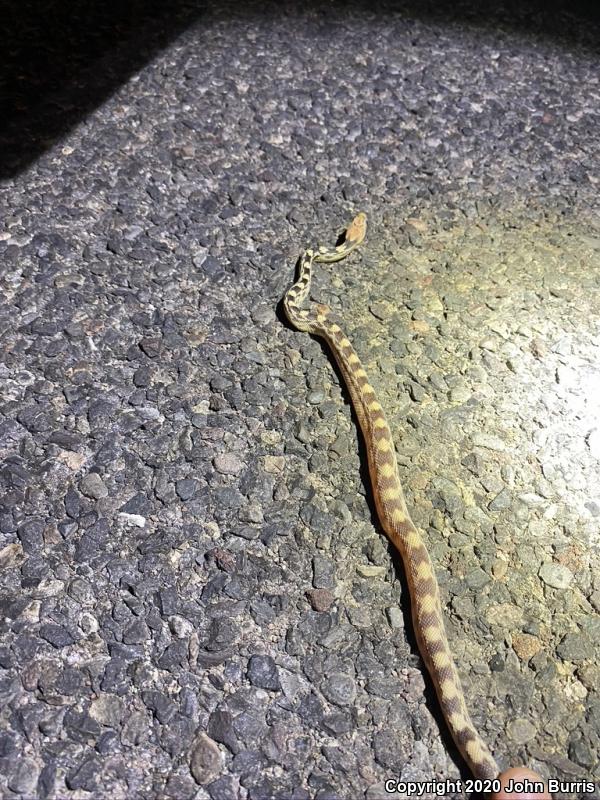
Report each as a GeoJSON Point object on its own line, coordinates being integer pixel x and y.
{"type": "Point", "coordinates": [391, 507]}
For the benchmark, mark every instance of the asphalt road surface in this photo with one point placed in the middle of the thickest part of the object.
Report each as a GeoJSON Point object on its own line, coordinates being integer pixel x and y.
{"type": "Point", "coordinates": [196, 598]}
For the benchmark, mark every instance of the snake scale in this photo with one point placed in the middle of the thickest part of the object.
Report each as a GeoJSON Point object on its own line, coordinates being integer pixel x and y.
{"type": "Point", "coordinates": [389, 500]}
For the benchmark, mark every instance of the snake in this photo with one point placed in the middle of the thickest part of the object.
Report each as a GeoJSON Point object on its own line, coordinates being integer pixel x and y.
{"type": "Point", "coordinates": [426, 608]}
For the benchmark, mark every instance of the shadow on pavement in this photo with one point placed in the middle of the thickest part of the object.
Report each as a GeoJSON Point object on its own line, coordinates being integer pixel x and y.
{"type": "Point", "coordinates": [62, 60]}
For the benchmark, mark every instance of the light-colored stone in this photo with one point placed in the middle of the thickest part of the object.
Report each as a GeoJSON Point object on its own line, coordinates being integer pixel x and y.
{"type": "Point", "coordinates": [205, 760]}
{"type": "Point", "coordinates": [556, 575]}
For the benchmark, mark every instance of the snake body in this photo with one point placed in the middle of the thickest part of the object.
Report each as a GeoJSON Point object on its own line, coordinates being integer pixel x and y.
{"type": "Point", "coordinates": [391, 507]}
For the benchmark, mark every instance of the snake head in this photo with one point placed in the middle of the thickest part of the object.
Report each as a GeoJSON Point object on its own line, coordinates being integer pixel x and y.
{"type": "Point", "coordinates": [357, 229]}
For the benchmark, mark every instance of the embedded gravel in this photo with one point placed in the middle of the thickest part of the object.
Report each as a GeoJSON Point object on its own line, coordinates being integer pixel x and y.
{"type": "Point", "coordinates": [197, 600]}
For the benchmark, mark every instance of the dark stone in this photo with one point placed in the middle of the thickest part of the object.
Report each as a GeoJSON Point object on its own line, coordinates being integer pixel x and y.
{"type": "Point", "coordinates": [187, 488]}
{"type": "Point", "coordinates": [142, 377]}
{"type": "Point", "coordinates": [249, 727]}
{"type": "Point", "coordinates": [249, 764]}
{"type": "Point", "coordinates": [136, 633]}
{"type": "Point", "coordinates": [7, 658]}
{"type": "Point", "coordinates": [80, 726]}
{"type": "Point", "coordinates": [224, 788]}
{"type": "Point", "coordinates": [31, 535]}
{"type": "Point", "coordinates": [497, 662]}
{"type": "Point", "coordinates": [175, 655]}
{"type": "Point", "coordinates": [262, 671]}
{"type": "Point", "coordinates": [228, 498]}
{"type": "Point", "coordinates": [85, 776]}
{"type": "Point", "coordinates": [65, 440]}
{"type": "Point", "coordinates": [340, 689]}
{"type": "Point", "coordinates": [100, 413]}
{"type": "Point", "coordinates": [138, 504]}
{"type": "Point", "coordinates": [220, 728]}
{"type": "Point", "coordinates": [180, 787]}
{"type": "Point", "coordinates": [323, 573]}
{"type": "Point", "coordinates": [70, 682]}
{"type": "Point", "coordinates": [108, 743]}
{"type": "Point", "coordinates": [391, 751]}
{"type": "Point", "coordinates": [46, 781]}
{"type": "Point", "coordinates": [34, 419]}
{"type": "Point", "coordinates": [115, 678]}
{"type": "Point", "coordinates": [223, 631]}
{"type": "Point", "coordinates": [22, 774]}
{"type": "Point", "coordinates": [310, 709]}
{"type": "Point", "coordinates": [56, 635]}
{"type": "Point", "coordinates": [151, 346]}
{"type": "Point", "coordinates": [338, 723]}
{"type": "Point", "coordinates": [168, 600]}
{"type": "Point", "coordinates": [575, 647]}
{"type": "Point", "coordinates": [581, 753]}
{"type": "Point", "coordinates": [164, 709]}
{"type": "Point", "coordinates": [8, 744]}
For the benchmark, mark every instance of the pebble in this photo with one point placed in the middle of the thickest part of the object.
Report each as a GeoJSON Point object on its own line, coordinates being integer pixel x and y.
{"type": "Point", "coordinates": [133, 519]}
{"type": "Point", "coordinates": [526, 646]}
{"type": "Point", "coordinates": [521, 730]}
{"type": "Point", "coordinates": [477, 579]}
{"type": "Point", "coordinates": [56, 635]}
{"type": "Point", "coordinates": [556, 575]}
{"type": "Point", "coordinates": [186, 488]}
{"type": "Point", "coordinates": [501, 502]}
{"type": "Point", "coordinates": [199, 256]}
{"type": "Point", "coordinates": [262, 671]}
{"type": "Point", "coordinates": [93, 486]}
{"type": "Point", "coordinates": [205, 760]}
{"type": "Point", "coordinates": [323, 572]}
{"type": "Point", "coordinates": [460, 394]}
{"type": "Point", "coordinates": [85, 775]}
{"type": "Point", "coordinates": [316, 397]}
{"type": "Point", "coordinates": [371, 571]}
{"type": "Point", "coordinates": [23, 778]}
{"type": "Point", "coordinates": [107, 709]}
{"type": "Point", "coordinates": [488, 441]}
{"type": "Point", "coordinates": [31, 535]}
{"type": "Point", "coordinates": [340, 689]}
{"type": "Point", "coordinates": [581, 753]}
{"type": "Point", "coordinates": [321, 599]}
{"type": "Point", "coordinates": [382, 310]}
{"type": "Point", "coordinates": [575, 647]}
{"type": "Point", "coordinates": [395, 617]}
{"type": "Point", "coordinates": [589, 675]}
{"type": "Point", "coordinates": [228, 464]}
{"type": "Point", "coordinates": [531, 499]}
